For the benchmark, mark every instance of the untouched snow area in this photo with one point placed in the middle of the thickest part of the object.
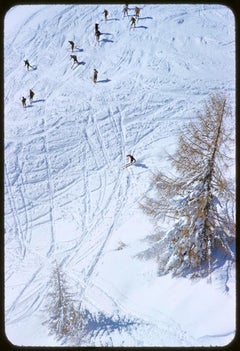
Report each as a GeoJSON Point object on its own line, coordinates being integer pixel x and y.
{"type": "Point", "coordinates": [67, 198]}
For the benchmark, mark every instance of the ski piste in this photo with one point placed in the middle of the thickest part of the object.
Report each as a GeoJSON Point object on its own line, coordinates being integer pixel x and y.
{"type": "Point", "coordinates": [66, 197]}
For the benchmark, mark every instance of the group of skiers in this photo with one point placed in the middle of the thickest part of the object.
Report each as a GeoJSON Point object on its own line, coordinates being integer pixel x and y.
{"type": "Point", "coordinates": [75, 59]}
{"type": "Point", "coordinates": [125, 13]}
{"type": "Point", "coordinates": [98, 33]}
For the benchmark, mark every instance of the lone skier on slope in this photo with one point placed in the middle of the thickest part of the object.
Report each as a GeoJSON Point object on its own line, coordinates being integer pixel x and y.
{"type": "Point", "coordinates": [27, 64]}
{"type": "Point", "coordinates": [95, 73]}
{"type": "Point", "coordinates": [105, 14]}
{"type": "Point", "coordinates": [96, 27]}
{"type": "Point", "coordinates": [97, 34]}
{"type": "Point", "coordinates": [137, 12]}
{"type": "Point", "coordinates": [132, 159]}
{"type": "Point", "coordinates": [31, 95]}
{"type": "Point", "coordinates": [133, 22]}
{"type": "Point", "coordinates": [125, 10]}
{"type": "Point", "coordinates": [24, 102]}
{"type": "Point", "coordinates": [72, 44]}
{"type": "Point", "coordinates": [75, 60]}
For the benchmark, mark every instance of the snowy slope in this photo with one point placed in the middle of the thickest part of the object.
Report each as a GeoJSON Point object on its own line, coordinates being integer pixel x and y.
{"type": "Point", "coordinates": [67, 198]}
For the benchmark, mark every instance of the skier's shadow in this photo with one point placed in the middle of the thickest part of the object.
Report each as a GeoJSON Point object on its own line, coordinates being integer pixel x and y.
{"type": "Point", "coordinates": [144, 18]}
{"type": "Point", "coordinates": [33, 68]}
{"type": "Point", "coordinates": [113, 19]}
{"type": "Point", "coordinates": [107, 41]}
{"type": "Point", "coordinates": [74, 66]}
{"type": "Point", "coordinates": [40, 100]}
{"type": "Point", "coordinates": [141, 165]}
{"type": "Point", "coordinates": [78, 50]}
{"type": "Point", "coordinates": [104, 81]}
{"type": "Point", "coordinates": [143, 27]}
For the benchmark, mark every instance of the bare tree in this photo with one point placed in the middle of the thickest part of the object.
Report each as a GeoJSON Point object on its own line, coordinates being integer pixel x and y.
{"type": "Point", "coordinates": [199, 198]}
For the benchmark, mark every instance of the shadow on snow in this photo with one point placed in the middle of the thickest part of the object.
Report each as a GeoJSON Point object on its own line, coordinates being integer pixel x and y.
{"type": "Point", "coordinates": [40, 100]}
{"type": "Point", "coordinates": [142, 165]}
{"type": "Point", "coordinates": [104, 81]}
{"type": "Point", "coordinates": [107, 40]}
{"type": "Point", "coordinates": [101, 324]}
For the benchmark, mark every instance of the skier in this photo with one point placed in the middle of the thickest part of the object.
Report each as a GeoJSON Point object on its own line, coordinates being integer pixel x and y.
{"type": "Point", "coordinates": [96, 28]}
{"type": "Point", "coordinates": [97, 34]}
{"type": "Point", "coordinates": [133, 22]}
{"type": "Point", "coordinates": [24, 102]}
{"type": "Point", "coordinates": [125, 10]}
{"type": "Point", "coordinates": [137, 12]}
{"type": "Point", "coordinates": [27, 64]}
{"type": "Point", "coordinates": [105, 14]}
{"type": "Point", "coordinates": [132, 159]}
{"type": "Point", "coordinates": [95, 73]}
{"type": "Point", "coordinates": [31, 95]}
{"type": "Point", "coordinates": [75, 60]}
{"type": "Point", "coordinates": [72, 44]}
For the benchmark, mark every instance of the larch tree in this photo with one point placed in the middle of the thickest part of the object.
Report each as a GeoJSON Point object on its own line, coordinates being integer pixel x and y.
{"type": "Point", "coordinates": [199, 199]}
{"type": "Point", "coordinates": [64, 318]}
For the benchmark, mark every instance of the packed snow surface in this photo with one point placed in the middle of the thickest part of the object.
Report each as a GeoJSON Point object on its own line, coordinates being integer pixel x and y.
{"type": "Point", "coordinates": [68, 199]}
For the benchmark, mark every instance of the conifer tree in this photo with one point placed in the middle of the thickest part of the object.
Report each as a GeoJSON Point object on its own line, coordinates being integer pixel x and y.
{"type": "Point", "coordinates": [198, 198]}
{"type": "Point", "coordinates": [64, 318]}
{"type": "Point", "coordinates": [74, 325]}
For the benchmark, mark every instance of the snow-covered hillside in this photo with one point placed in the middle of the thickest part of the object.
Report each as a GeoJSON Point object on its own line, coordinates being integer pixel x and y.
{"type": "Point", "coordinates": [67, 198]}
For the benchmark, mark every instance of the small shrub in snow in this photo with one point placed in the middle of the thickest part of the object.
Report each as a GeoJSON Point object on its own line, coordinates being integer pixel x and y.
{"type": "Point", "coordinates": [121, 245]}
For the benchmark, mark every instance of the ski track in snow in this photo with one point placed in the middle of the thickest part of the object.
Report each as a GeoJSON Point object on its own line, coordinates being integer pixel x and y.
{"type": "Point", "coordinates": [65, 190]}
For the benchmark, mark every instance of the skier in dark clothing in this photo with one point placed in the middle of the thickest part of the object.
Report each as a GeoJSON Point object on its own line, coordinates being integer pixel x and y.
{"type": "Point", "coordinates": [96, 27]}
{"type": "Point", "coordinates": [98, 35]}
{"type": "Point", "coordinates": [105, 14]}
{"type": "Point", "coordinates": [95, 73]}
{"type": "Point", "coordinates": [125, 10]}
{"type": "Point", "coordinates": [72, 44]}
{"type": "Point", "coordinates": [132, 159]}
{"type": "Point", "coordinates": [27, 64]}
{"type": "Point", "coordinates": [133, 22]}
{"type": "Point", "coordinates": [24, 101]}
{"type": "Point", "coordinates": [75, 60]}
{"type": "Point", "coordinates": [31, 95]}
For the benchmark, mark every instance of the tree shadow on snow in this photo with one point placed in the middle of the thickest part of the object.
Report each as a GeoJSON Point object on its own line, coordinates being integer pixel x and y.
{"type": "Point", "coordinates": [101, 324]}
